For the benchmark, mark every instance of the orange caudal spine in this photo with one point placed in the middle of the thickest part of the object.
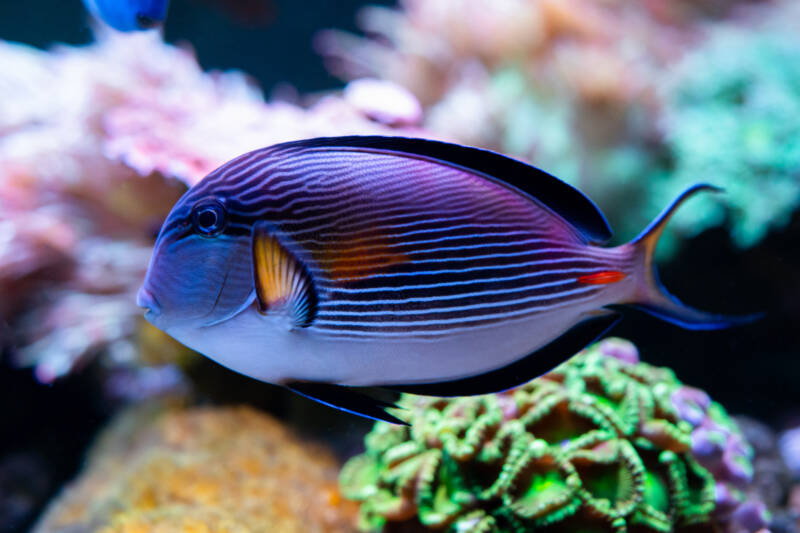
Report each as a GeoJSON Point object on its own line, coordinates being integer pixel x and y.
{"type": "Point", "coordinates": [601, 278]}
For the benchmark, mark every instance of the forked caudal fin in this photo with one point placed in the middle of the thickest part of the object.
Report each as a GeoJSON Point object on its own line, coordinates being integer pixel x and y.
{"type": "Point", "coordinates": [652, 297]}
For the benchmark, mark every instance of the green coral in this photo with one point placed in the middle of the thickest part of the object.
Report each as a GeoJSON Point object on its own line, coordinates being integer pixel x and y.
{"type": "Point", "coordinates": [594, 445]}
{"type": "Point", "coordinates": [731, 118]}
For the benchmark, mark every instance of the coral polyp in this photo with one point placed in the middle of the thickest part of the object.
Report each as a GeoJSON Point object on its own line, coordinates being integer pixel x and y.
{"type": "Point", "coordinates": [598, 444]}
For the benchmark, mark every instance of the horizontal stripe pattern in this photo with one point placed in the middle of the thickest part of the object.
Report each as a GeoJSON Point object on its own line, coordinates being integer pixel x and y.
{"type": "Point", "coordinates": [406, 246]}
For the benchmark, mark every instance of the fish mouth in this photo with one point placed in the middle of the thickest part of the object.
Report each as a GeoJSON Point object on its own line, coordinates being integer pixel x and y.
{"type": "Point", "coordinates": [147, 300]}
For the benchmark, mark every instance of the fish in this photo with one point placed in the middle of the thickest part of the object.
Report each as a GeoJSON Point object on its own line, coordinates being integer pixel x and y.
{"type": "Point", "coordinates": [337, 265]}
{"type": "Point", "coordinates": [129, 15]}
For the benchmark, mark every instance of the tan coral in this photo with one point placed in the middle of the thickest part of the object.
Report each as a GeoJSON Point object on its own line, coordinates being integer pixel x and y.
{"type": "Point", "coordinates": [193, 470]}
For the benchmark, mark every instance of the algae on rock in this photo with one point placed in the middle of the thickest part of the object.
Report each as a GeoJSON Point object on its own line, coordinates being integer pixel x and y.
{"type": "Point", "coordinates": [221, 469]}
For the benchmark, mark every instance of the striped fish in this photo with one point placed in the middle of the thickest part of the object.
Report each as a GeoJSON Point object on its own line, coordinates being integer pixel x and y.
{"type": "Point", "coordinates": [409, 264]}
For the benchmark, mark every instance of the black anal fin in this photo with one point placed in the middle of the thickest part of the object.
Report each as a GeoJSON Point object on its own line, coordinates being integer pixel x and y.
{"type": "Point", "coordinates": [529, 367]}
{"type": "Point", "coordinates": [346, 399]}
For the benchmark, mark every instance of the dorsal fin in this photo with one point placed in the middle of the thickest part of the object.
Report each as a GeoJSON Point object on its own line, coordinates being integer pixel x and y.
{"type": "Point", "coordinates": [549, 191]}
{"type": "Point", "coordinates": [281, 280]}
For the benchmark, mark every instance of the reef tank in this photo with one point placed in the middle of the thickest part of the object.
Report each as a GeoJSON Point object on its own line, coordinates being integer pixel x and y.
{"type": "Point", "coordinates": [276, 266]}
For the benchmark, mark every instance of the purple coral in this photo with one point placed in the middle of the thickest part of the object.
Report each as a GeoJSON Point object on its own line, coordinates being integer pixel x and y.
{"type": "Point", "coordinates": [789, 444]}
{"type": "Point", "coordinates": [719, 446]}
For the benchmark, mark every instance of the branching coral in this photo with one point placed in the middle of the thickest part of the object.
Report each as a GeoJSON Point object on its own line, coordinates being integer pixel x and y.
{"type": "Point", "coordinates": [601, 443]}
{"type": "Point", "coordinates": [90, 141]}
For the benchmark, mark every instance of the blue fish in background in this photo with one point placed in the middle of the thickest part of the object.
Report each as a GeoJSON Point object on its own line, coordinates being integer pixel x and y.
{"type": "Point", "coordinates": [413, 265]}
{"type": "Point", "coordinates": [129, 15]}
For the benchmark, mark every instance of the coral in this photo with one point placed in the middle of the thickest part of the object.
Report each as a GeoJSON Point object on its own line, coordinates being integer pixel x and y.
{"type": "Point", "coordinates": [730, 118]}
{"type": "Point", "coordinates": [601, 443]}
{"type": "Point", "coordinates": [789, 444]}
{"type": "Point", "coordinates": [599, 93]}
{"type": "Point", "coordinates": [89, 171]}
{"type": "Point", "coordinates": [201, 469]}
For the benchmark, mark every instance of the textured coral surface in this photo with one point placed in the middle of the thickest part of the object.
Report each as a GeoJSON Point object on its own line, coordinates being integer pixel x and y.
{"type": "Point", "coordinates": [601, 443]}
{"type": "Point", "coordinates": [601, 93]}
{"type": "Point", "coordinates": [222, 469]}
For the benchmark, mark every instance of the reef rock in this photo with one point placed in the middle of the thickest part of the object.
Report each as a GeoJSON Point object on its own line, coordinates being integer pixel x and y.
{"type": "Point", "coordinates": [215, 469]}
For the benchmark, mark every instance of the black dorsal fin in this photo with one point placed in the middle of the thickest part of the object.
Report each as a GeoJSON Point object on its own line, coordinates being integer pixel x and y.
{"type": "Point", "coordinates": [520, 372]}
{"type": "Point", "coordinates": [549, 191]}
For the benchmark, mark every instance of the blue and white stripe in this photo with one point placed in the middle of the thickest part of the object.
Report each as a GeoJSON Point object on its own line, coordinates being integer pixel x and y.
{"type": "Point", "coordinates": [462, 251]}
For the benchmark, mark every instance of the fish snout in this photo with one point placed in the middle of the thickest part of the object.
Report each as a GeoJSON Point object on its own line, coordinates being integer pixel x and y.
{"type": "Point", "coordinates": [146, 300]}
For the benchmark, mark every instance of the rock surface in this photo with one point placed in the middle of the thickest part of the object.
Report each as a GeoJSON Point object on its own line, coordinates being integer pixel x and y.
{"type": "Point", "coordinates": [196, 470]}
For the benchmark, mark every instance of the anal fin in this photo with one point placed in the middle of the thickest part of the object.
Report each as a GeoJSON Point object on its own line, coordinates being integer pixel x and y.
{"type": "Point", "coordinates": [346, 399]}
{"type": "Point", "coordinates": [529, 367]}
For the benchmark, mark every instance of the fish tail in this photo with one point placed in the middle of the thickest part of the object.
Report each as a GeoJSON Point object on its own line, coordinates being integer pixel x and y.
{"type": "Point", "coordinates": [650, 295]}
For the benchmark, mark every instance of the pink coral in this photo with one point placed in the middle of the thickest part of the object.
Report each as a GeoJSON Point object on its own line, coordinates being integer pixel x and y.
{"type": "Point", "coordinates": [87, 175]}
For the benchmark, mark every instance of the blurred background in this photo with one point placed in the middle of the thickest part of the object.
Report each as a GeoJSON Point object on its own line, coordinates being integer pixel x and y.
{"type": "Point", "coordinates": [99, 135]}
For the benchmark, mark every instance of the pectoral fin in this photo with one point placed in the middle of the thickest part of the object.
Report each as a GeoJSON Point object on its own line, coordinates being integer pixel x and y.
{"type": "Point", "coordinates": [282, 280]}
{"type": "Point", "coordinates": [346, 399]}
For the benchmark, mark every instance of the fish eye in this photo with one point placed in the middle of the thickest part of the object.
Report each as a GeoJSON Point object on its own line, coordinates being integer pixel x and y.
{"type": "Point", "coordinates": [208, 218]}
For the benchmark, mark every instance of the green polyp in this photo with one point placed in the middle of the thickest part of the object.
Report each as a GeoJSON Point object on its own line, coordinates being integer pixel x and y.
{"type": "Point", "coordinates": [475, 522]}
{"type": "Point", "coordinates": [442, 510]}
{"type": "Point", "coordinates": [540, 483]}
{"type": "Point", "coordinates": [655, 493]}
{"type": "Point", "coordinates": [425, 478]}
{"type": "Point", "coordinates": [358, 478]}
{"type": "Point", "coordinates": [666, 435]}
{"type": "Point", "coordinates": [612, 478]}
{"type": "Point", "coordinates": [384, 436]}
{"type": "Point", "coordinates": [648, 519]}
{"type": "Point", "coordinates": [700, 493]}
{"type": "Point", "coordinates": [401, 452]}
{"type": "Point", "coordinates": [463, 447]}
{"type": "Point", "coordinates": [389, 506]}
{"type": "Point", "coordinates": [561, 420]}
{"type": "Point", "coordinates": [593, 446]}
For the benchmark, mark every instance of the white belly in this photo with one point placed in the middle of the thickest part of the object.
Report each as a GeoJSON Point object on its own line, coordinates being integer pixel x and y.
{"type": "Point", "coordinates": [264, 348]}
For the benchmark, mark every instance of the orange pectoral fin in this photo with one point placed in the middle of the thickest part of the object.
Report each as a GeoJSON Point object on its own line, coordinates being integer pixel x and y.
{"type": "Point", "coordinates": [282, 280]}
{"type": "Point", "coordinates": [601, 278]}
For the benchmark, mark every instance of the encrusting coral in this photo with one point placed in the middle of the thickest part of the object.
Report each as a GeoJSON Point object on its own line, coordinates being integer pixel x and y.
{"type": "Point", "coordinates": [601, 443]}
{"type": "Point", "coordinates": [96, 144]}
{"type": "Point", "coordinates": [597, 93]}
{"type": "Point", "coordinates": [223, 469]}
